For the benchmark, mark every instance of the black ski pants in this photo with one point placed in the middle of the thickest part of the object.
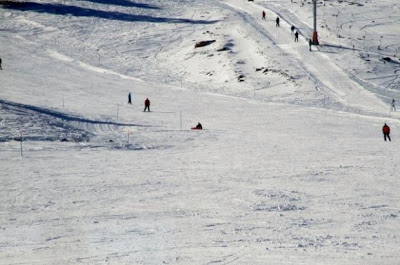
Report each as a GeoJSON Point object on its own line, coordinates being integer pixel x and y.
{"type": "Point", "coordinates": [386, 135]}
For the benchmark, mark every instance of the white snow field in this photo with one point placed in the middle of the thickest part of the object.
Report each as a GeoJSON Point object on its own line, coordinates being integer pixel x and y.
{"type": "Point", "coordinates": [291, 167]}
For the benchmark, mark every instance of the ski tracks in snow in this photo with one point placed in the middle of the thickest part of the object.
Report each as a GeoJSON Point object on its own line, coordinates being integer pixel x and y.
{"type": "Point", "coordinates": [347, 95]}
{"type": "Point", "coordinates": [41, 124]}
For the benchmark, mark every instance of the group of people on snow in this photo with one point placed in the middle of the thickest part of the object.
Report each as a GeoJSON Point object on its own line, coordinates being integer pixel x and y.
{"type": "Point", "coordinates": [147, 107]}
{"type": "Point", "coordinates": [146, 102]}
{"type": "Point", "coordinates": [276, 20]}
{"type": "Point", "coordinates": [385, 128]}
{"type": "Point", "coordinates": [293, 29]}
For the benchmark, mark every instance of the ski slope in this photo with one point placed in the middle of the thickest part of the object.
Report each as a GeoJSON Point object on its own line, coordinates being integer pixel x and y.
{"type": "Point", "coordinates": [291, 167]}
{"type": "Point", "coordinates": [335, 83]}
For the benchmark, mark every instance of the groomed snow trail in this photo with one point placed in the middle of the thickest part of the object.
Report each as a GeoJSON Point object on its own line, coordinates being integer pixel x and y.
{"type": "Point", "coordinates": [340, 89]}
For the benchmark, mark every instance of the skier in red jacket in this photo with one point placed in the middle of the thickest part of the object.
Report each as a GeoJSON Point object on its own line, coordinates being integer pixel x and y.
{"type": "Point", "coordinates": [147, 105]}
{"type": "Point", "coordinates": [386, 132]}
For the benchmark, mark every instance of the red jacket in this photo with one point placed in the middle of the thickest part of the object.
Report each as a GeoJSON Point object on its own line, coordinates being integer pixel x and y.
{"type": "Point", "coordinates": [386, 129]}
{"type": "Point", "coordinates": [147, 102]}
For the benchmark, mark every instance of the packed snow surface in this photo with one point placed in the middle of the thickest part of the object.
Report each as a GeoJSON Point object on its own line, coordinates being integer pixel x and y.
{"type": "Point", "coordinates": [290, 168]}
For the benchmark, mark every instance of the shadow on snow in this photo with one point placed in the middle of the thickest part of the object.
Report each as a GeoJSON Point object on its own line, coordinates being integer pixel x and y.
{"type": "Point", "coordinates": [125, 3]}
{"type": "Point", "coordinates": [59, 9]}
{"type": "Point", "coordinates": [63, 116]}
{"type": "Point", "coordinates": [341, 47]}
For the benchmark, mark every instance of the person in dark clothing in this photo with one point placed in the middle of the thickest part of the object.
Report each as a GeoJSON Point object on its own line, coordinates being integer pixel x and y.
{"type": "Point", "coordinates": [147, 105]}
{"type": "Point", "coordinates": [129, 98]}
{"type": "Point", "coordinates": [310, 44]}
{"type": "Point", "coordinates": [296, 36]}
{"type": "Point", "coordinates": [263, 15]}
{"type": "Point", "coordinates": [386, 132]}
{"type": "Point", "coordinates": [277, 22]}
{"type": "Point", "coordinates": [292, 28]}
{"type": "Point", "coordinates": [199, 127]}
{"type": "Point", "coordinates": [393, 105]}
{"type": "Point", "coordinates": [0, 65]}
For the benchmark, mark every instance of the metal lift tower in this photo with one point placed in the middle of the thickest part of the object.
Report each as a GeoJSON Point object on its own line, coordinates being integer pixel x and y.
{"type": "Point", "coordinates": [314, 36]}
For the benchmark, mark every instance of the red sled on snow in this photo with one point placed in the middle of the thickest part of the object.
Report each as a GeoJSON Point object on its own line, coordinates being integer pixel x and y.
{"type": "Point", "coordinates": [196, 129]}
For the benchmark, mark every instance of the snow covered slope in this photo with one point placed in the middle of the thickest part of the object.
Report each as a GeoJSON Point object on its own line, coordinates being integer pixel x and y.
{"type": "Point", "coordinates": [291, 167]}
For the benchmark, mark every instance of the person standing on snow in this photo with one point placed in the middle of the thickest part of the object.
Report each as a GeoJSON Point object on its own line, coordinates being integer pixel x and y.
{"type": "Point", "coordinates": [296, 36]}
{"type": "Point", "coordinates": [129, 98]}
{"type": "Point", "coordinates": [277, 22]}
{"type": "Point", "coordinates": [292, 28]}
{"type": "Point", "coordinates": [0, 65]}
{"type": "Point", "coordinates": [263, 15]}
{"type": "Point", "coordinates": [393, 105]}
{"type": "Point", "coordinates": [310, 44]}
{"type": "Point", "coordinates": [386, 132]}
{"type": "Point", "coordinates": [146, 105]}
